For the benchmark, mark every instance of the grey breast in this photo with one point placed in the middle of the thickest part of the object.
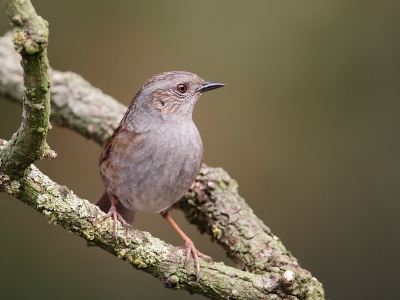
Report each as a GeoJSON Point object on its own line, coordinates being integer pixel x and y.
{"type": "Point", "coordinates": [156, 174]}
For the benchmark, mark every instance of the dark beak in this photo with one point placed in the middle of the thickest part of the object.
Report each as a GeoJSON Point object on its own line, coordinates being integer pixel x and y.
{"type": "Point", "coordinates": [208, 86]}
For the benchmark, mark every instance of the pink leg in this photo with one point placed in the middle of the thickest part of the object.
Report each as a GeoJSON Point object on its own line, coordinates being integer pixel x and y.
{"type": "Point", "coordinates": [189, 246]}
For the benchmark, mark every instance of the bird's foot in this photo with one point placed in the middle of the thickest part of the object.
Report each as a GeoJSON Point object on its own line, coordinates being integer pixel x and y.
{"type": "Point", "coordinates": [192, 251]}
{"type": "Point", "coordinates": [113, 213]}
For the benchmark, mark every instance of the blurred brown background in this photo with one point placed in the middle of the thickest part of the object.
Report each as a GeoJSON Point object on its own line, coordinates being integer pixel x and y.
{"type": "Point", "coordinates": [308, 124]}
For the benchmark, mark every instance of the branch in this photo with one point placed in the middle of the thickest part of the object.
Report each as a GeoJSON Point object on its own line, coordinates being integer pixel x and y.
{"type": "Point", "coordinates": [140, 249]}
{"type": "Point", "coordinates": [30, 40]}
{"type": "Point", "coordinates": [212, 203]}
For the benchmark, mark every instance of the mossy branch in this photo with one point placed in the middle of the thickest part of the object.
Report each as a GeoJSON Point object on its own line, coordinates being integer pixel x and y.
{"type": "Point", "coordinates": [30, 40]}
{"type": "Point", "coordinates": [140, 249]}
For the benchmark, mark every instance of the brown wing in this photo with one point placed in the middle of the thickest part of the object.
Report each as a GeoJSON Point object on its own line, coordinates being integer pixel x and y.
{"type": "Point", "coordinates": [103, 202]}
{"type": "Point", "coordinates": [108, 147]}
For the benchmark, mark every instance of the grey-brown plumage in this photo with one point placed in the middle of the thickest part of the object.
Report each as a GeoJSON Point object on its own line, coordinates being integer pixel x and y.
{"type": "Point", "coordinates": [156, 152]}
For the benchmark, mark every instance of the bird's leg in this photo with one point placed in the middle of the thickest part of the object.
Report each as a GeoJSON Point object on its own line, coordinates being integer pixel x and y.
{"type": "Point", "coordinates": [189, 246]}
{"type": "Point", "coordinates": [112, 212]}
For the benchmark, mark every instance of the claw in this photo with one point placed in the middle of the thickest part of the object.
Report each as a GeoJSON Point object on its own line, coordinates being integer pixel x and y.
{"type": "Point", "coordinates": [192, 251]}
{"type": "Point", "coordinates": [112, 212]}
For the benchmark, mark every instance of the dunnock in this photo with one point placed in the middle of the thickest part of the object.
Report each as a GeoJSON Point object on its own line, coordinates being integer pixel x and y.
{"type": "Point", "coordinates": [156, 152]}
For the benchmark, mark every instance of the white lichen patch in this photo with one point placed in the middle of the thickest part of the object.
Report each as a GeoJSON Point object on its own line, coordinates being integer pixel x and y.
{"type": "Point", "coordinates": [80, 206]}
{"type": "Point", "coordinates": [181, 252]}
{"type": "Point", "coordinates": [39, 177]}
{"type": "Point", "coordinates": [38, 106]}
{"type": "Point", "coordinates": [288, 276]}
{"type": "Point", "coordinates": [150, 253]}
{"type": "Point", "coordinates": [42, 200]}
{"type": "Point", "coordinates": [138, 241]}
{"type": "Point", "coordinates": [266, 253]}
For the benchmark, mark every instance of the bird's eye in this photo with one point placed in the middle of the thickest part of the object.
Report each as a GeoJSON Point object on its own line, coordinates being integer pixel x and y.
{"type": "Point", "coordinates": [182, 88]}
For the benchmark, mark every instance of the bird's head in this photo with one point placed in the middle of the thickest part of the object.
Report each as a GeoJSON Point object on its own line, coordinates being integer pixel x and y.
{"type": "Point", "coordinates": [169, 96]}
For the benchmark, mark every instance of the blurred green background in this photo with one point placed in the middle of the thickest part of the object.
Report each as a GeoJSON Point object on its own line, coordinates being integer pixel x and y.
{"type": "Point", "coordinates": [308, 124]}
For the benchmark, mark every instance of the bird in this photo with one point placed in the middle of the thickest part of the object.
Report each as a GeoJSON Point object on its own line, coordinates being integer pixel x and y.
{"type": "Point", "coordinates": [155, 153]}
